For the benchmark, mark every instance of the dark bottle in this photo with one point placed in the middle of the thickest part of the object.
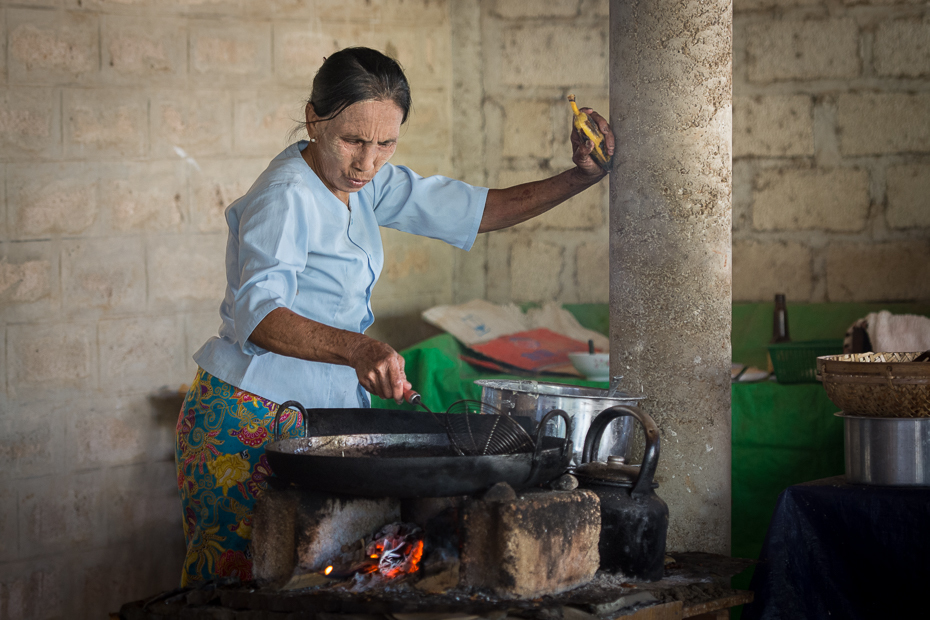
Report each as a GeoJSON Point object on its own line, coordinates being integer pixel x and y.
{"type": "Point", "coordinates": [780, 320]}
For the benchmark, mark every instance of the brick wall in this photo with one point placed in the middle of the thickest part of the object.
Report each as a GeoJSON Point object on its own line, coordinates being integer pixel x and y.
{"type": "Point", "coordinates": [534, 54]}
{"type": "Point", "coordinates": [831, 143]}
{"type": "Point", "coordinates": [126, 128]}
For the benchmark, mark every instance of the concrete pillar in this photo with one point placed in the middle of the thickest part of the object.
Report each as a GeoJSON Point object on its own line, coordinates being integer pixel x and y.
{"type": "Point", "coordinates": [670, 102]}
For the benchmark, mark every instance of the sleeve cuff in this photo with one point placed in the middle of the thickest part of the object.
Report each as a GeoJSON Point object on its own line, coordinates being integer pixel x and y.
{"type": "Point", "coordinates": [476, 224]}
{"type": "Point", "coordinates": [254, 318]}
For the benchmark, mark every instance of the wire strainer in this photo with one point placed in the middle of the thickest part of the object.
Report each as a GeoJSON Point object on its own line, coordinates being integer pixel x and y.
{"type": "Point", "coordinates": [476, 428]}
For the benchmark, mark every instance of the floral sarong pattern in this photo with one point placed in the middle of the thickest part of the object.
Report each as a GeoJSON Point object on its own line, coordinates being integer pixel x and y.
{"type": "Point", "coordinates": [222, 470]}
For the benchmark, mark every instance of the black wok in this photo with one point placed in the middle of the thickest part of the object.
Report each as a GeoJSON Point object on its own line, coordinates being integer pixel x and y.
{"type": "Point", "coordinates": [393, 453]}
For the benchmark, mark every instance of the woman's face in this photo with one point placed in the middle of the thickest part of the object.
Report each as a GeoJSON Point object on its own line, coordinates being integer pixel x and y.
{"type": "Point", "coordinates": [351, 148]}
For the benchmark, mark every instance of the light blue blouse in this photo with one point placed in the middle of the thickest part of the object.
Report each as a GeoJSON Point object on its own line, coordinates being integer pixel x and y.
{"type": "Point", "coordinates": [293, 244]}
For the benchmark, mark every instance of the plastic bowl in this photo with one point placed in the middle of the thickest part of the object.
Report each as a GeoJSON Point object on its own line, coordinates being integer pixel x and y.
{"type": "Point", "coordinates": [594, 366]}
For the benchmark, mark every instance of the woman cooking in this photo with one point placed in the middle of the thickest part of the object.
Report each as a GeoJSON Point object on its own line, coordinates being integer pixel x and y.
{"type": "Point", "coordinates": [303, 254]}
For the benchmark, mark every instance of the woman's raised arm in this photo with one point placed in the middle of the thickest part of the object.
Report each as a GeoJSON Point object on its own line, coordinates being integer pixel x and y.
{"type": "Point", "coordinates": [510, 206]}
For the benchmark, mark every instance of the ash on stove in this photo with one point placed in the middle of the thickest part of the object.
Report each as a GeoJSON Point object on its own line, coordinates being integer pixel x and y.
{"type": "Point", "coordinates": [694, 579]}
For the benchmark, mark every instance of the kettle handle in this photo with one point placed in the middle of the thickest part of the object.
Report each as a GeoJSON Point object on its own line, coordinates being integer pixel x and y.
{"type": "Point", "coordinates": [291, 404]}
{"type": "Point", "coordinates": [592, 442]}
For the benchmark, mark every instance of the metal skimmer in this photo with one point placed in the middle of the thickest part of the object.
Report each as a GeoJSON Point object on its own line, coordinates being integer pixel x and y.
{"type": "Point", "coordinates": [479, 429]}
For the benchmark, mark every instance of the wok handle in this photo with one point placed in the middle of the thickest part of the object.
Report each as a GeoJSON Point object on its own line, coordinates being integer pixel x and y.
{"type": "Point", "coordinates": [412, 396]}
{"type": "Point", "coordinates": [540, 433]}
{"type": "Point", "coordinates": [291, 404]}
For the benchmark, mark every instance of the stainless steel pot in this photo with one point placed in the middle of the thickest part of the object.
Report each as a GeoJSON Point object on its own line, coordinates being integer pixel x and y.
{"type": "Point", "coordinates": [887, 451]}
{"type": "Point", "coordinates": [534, 399]}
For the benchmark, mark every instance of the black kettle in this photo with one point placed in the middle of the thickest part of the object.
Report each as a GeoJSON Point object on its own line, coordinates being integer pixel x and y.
{"type": "Point", "coordinates": [634, 520]}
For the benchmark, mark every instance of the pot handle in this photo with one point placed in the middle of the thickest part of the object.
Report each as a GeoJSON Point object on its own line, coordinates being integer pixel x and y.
{"type": "Point", "coordinates": [291, 404]}
{"type": "Point", "coordinates": [540, 433]}
{"type": "Point", "coordinates": [541, 429]}
{"type": "Point", "coordinates": [592, 442]}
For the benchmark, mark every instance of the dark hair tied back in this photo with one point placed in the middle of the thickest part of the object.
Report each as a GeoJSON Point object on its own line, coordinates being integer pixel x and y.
{"type": "Point", "coordinates": [358, 74]}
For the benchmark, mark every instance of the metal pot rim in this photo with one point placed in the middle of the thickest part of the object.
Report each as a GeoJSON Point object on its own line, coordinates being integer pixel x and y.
{"type": "Point", "coordinates": [562, 390]}
{"type": "Point", "coordinates": [879, 418]}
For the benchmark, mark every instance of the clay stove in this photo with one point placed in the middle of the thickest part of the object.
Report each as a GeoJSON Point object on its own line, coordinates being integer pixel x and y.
{"type": "Point", "coordinates": [537, 542]}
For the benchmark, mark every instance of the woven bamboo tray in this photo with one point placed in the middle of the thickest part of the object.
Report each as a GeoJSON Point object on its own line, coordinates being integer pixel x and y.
{"type": "Point", "coordinates": [877, 384]}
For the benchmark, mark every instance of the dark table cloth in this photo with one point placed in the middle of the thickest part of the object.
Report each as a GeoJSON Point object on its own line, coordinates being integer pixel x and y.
{"type": "Point", "coordinates": [839, 550]}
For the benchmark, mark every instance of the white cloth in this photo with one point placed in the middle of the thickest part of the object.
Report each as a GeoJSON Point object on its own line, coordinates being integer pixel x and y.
{"type": "Point", "coordinates": [898, 333]}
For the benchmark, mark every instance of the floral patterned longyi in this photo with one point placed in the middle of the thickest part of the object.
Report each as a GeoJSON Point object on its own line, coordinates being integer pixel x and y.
{"type": "Point", "coordinates": [222, 470]}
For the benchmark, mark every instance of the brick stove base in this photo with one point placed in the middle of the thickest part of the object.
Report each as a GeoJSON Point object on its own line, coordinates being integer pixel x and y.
{"type": "Point", "coordinates": [296, 532]}
{"type": "Point", "coordinates": [531, 556]}
{"type": "Point", "coordinates": [538, 543]}
{"type": "Point", "coordinates": [520, 546]}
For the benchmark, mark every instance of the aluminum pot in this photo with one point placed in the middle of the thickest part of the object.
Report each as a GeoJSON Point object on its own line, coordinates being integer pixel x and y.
{"type": "Point", "coordinates": [887, 451]}
{"type": "Point", "coordinates": [534, 399]}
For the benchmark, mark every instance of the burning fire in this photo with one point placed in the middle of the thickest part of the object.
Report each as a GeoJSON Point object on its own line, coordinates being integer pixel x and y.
{"type": "Point", "coordinates": [394, 550]}
{"type": "Point", "coordinates": [397, 548]}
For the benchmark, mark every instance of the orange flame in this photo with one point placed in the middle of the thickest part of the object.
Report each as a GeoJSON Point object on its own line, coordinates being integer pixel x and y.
{"type": "Point", "coordinates": [328, 570]}
{"type": "Point", "coordinates": [416, 556]}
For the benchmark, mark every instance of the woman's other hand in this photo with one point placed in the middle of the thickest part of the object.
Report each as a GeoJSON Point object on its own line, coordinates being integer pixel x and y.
{"type": "Point", "coordinates": [511, 205]}
{"type": "Point", "coordinates": [380, 369]}
{"type": "Point", "coordinates": [582, 147]}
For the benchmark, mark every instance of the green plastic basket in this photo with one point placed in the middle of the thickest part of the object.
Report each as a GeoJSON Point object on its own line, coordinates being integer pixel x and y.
{"type": "Point", "coordinates": [796, 362]}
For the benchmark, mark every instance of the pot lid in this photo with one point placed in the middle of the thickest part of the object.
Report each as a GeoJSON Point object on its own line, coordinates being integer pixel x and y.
{"type": "Point", "coordinates": [615, 472]}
